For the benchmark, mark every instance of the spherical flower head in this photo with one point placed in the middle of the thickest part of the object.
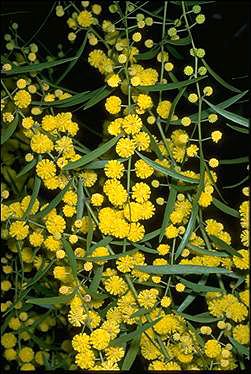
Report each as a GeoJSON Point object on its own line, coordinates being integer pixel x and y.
{"type": "Point", "coordinates": [136, 232]}
{"type": "Point", "coordinates": [114, 169]}
{"type": "Point", "coordinates": [132, 124]}
{"type": "Point", "coordinates": [193, 98]}
{"type": "Point", "coordinates": [186, 121]}
{"type": "Point", "coordinates": [165, 301]}
{"type": "Point", "coordinates": [22, 99]}
{"type": "Point", "coordinates": [205, 199]}
{"type": "Point", "coordinates": [36, 239]}
{"type": "Point", "coordinates": [115, 127]}
{"type": "Point", "coordinates": [241, 334]}
{"type": "Point", "coordinates": [27, 122]}
{"type": "Point", "coordinates": [163, 249]}
{"type": "Point", "coordinates": [171, 232]}
{"type": "Point", "coordinates": [26, 354]}
{"type": "Point", "coordinates": [144, 101]}
{"type": "Point", "coordinates": [207, 91]}
{"type": "Point", "coordinates": [41, 143]}
{"type": "Point", "coordinates": [89, 178]}
{"type": "Point", "coordinates": [55, 224]}
{"type": "Point", "coordinates": [213, 162]}
{"type": "Point", "coordinates": [125, 264]}
{"type": "Point", "coordinates": [8, 340]}
{"type": "Point", "coordinates": [45, 169]}
{"type": "Point", "coordinates": [212, 348]}
{"type": "Point", "coordinates": [188, 70]}
{"type": "Point", "coordinates": [113, 104]}
{"type": "Point", "coordinates": [243, 261]}
{"type": "Point", "coordinates": [115, 191]}
{"type": "Point", "coordinates": [163, 108]}
{"type": "Point", "coordinates": [206, 330]}
{"type": "Point", "coordinates": [125, 147]}
{"type": "Point", "coordinates": [141, 141]}
{"type": "Point", "coordinates": [81, 342]}
{"type": "Point", "coordinates": [180, 287]}
{"type": "Point", "coordinates": [85, 359]}
{"type": "Point", "coordinates": [216, 136]}
{"type": "Point", "coordinates": [212, 118]}
{"type": "Point", "coordinates": [19, 230]}
{"type": "Point", "coordinates": [97, 199]}
{"type": "Point", "coordinates": [115, 285]}
{"type": "Point", "coordinates": [192, 150]}
{"type": "Point", "coordinates": [85, 19]}
{"type": "Point", "coordinates": [142, 169]}
{"type": "Point", "coordinates": [148, 77]}
{"type": "Point", "coordinates": [168, 66]}
{"type": "Point", "coordinates": [238, 312]}
{"type": "Point", "coordinates": [114, 354]}
{"type": "Point", "coordinates": [114, 80]}
{"type": "Point", "coordinates": [200, 18]}
{"type": "Point", "coordinates": [100, 252]}
{"type": "Point", "coordinates": [141, 192]}
{"type": "Point", "coordinates": [148, 298]}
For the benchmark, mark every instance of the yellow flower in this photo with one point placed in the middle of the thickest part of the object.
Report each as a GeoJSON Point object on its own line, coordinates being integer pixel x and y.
{"type": "Point", "coordinates": [216, 136]}
{"type": "Point", "coordinates": [26, 354]}
{"type": "Point", "coordinates": [41, 143]}
{"type": "Point", "coordinates": [125, 147]}
{"type": "Point", "coordinates": [19, 230]}
{"type": "Point", "coordinates": [114, 169]}
{"type": "Point", "coordinates": [45, 169]}
{"type": "Point", "coordinates": [148, 298]}
{"type": "Point", "coordinates": [141, 192]}
{"type": "Point", "coordinates": [100, 339]}
{"type": "Point", "coordinates": [22, 99]}
{"type": "Point", "coordinates": [141, 141]}
{"type": "Point", "coordinates": [97, 199]}
{"type": "Point", "coordinates": [86, 359]}
{"type": "Point", "coordinates": [243, 261]}
{"type": "Point", "coordinates": [113, 104]}
{"type": "Point", "coordinates": [163, 108]}
{"type": "Point", "coordinates": [212, 348]}
{"type": "Point", "coordinates": [241, 334]}
{"type": "Point", "coordinates": [85, 19]}
{"type": "Point", "coordinates": [143, 170]}
{"type": "Point", "coordinates": [171, 232]}
{"type": "Point", "coordinates": [115, 285]}
{"type": "Point", "coordinates": [8, 340]}
{"type": "Point", "coordinates": [81, 342]}
{"type": "Point", "coordinates": [136, 232]}
{"type": "Point", "coordinates": [132, 124]}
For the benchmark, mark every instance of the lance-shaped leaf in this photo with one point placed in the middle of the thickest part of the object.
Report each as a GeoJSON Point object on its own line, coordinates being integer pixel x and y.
{"type": "Point", "coordinates": [224, 246]}
{"type": "Point", "coordinates": [71, 257]}
{"type": "Point", "coordinates": [170, 86]}
{"type": "Point", "coordinates": [93, 155]}
{"type": "Point", "coordinates": [36, 188]}
{"type": "Point", "coordinates": [169, 208]}
{"type": "Point", "coordinates": [50, 300]}
{"type": "Point", "coordinates": [27, 168]}
{"type": "Point", "coordinates": [226, 209]}
{"type": "Point", "coordinates": [8, 131]}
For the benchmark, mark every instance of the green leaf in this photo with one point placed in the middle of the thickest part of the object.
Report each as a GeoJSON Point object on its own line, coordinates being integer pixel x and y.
{"type": "Point", "coordinates": [110, 257]}
{"type": "Point", "coordinates": [71, 257]}
{"type": "Point", "coordinates": [27, 168]}
{"type": "Point", "coordinates": [73, 62]}
{"type": "Point", "coordinates": [37, 66]}
{"type": "Point", "coordinates": [132, 335]}
{"type": "Point", "coordinates": [190, 298]}
{"type": "Point", "coordinates": [201, 318]}
{"type": "Point", "coordinates": [238, 183]}
{"type": "Point", "coordinates": [7, 131]}
{"type": "Point", "coordinates": [166, 171]}
{"type": "Point", "coordinates": [54, 202]}
{"type": "Point", "coordinates": [198, 288]}
{"type": "Point", "coordinates": [150, 235]}
{"type": "Point", "coordinates": [131, 354]}
{"type": "Point", "coordinates": [145, 249]}
{"type": "Point", "coordinates": [80, 204]}
{"type": "Point", "coordinates": [233, 161]}
{"type": "Point", "coordinates": [241, 349]}
{"type": "Point", "coordinates": [102, 243]}
{"type": "Point", "coordinates": [238, 129]}
{"type": "Point", "coordinates": [104, 92]}
{"type": "Point", "coordinates": [169, 208]}
{"type": "Point", "coordinates": [170, 86]}
{"type": "Point", "coordinates": [219, 79]}
{"type": "Point", "coordinates": [229, 115]}
{"type": "Point", "coordinates": [92, 155]}
{"type": "Point", "coordinates": [192, 219]}
{"type": "Point", "coordinates": [50, 300]}
{"type": "Point", "coordinates": [101, 163]}
{"type": "Point", "coordinates": [202, 251]}
{"type": "Point", "coordinates": [223, 245]}
{"type": "Point", "coordinates": [184, 269]}
{"type": "Point", "coordinates": [140, 312]}
{"type": "Point", "coordinates": [182, 41]}
{"type": "Point", "coordinates": [148, 54]}
{"type": "Point", "coordinates": [90, 232]}
{"type": "Point", "coordinates": [36, 188]}
{"type": "Point", "coordinates": [96, 280]}
{"type": "Point", "coordinates": [226, 209]}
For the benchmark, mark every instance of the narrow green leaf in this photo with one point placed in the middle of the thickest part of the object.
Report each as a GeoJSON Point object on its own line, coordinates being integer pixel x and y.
{"type": "Point", "coordinates": [184, 269]}
{"type": "Point", "coordinates": [229, 115]}
{"type": "Point", "coordinates": [80, 204]}
{"type": "Point", "coordinates": [50, 300]}
{"type": "Point", "coordinates": [169, 208]}
{"type": "Point", "coordinates": [145, 249]}
{"type": "Point", "coordinates": [219, 79]}
{"type": "Point", "coordinates": [71, 257]}
{"type": "Point", "coordinates": [102, 243]}
{"type": "Point", "coordinates": [202, 251]}
{"type": "Point", "coordinates": [96, 280]}
{"type": "Point", "coordinates": [166, 171]}
{"type": "Point", "coordinates": [198, 288]}
{"type": "Point", "coordinates": [27, 168]}
{"type": "Point", "coordinates": [110, 257]}
{"type": "Point", "coordinates": [201, 318]}
{"type": "Point", "coordinates": [101, 163]}
{"type": "Point", "coordinates": [223, 245]}
{"type": "Point", "coordinates": [73, 62]}
{"type": "Point", "coordinates": [8, 131]}
{"type": "Point", "coordinates": [148, 55]}
{"type": "Point", "coordinates": [131, 354]}
{"type": "Point", "coordinates": [37, 66]}
{"type": "Point", "coordinates": [93, 155]}
{"type": "Point", "coordinates": [241, 349]}
{"type": "Point", "coordinates": [150, 235]}
{"type": "Point", "coordinates": [190, 298]}
{"type": "Point", "coordinates": [140, 312]}
{"type": "Point", "coordinates": [104, 92]}
{"type": "Point", "coordinates": [226, 209]}
{"type": "Point", "coordinates": [238, 183]}
{"type": "Point", "coordinates": [132, 335]}
{"type": "Point", "coordinates": [170, 86]}
{"type": "Point", "coordinates": [90, 232]}
{"type": "Point", "coordinates": [242, 130]}
{"type": "Point", "coordinates": [54, 202]}
{"type": "Point", "coordinates": [182, 41]}
{"type": "Point", "coordinates": [233, 161]}
{"type": "Point", "coordinates": [36, 188]}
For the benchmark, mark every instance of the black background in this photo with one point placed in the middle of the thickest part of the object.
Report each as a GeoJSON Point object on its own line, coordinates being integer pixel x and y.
{"type": "Point", "coordinates": [226, 38]}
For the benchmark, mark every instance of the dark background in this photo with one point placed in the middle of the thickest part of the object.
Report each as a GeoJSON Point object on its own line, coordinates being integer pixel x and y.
{"type": "Point", "coordinates": [226, 38]}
